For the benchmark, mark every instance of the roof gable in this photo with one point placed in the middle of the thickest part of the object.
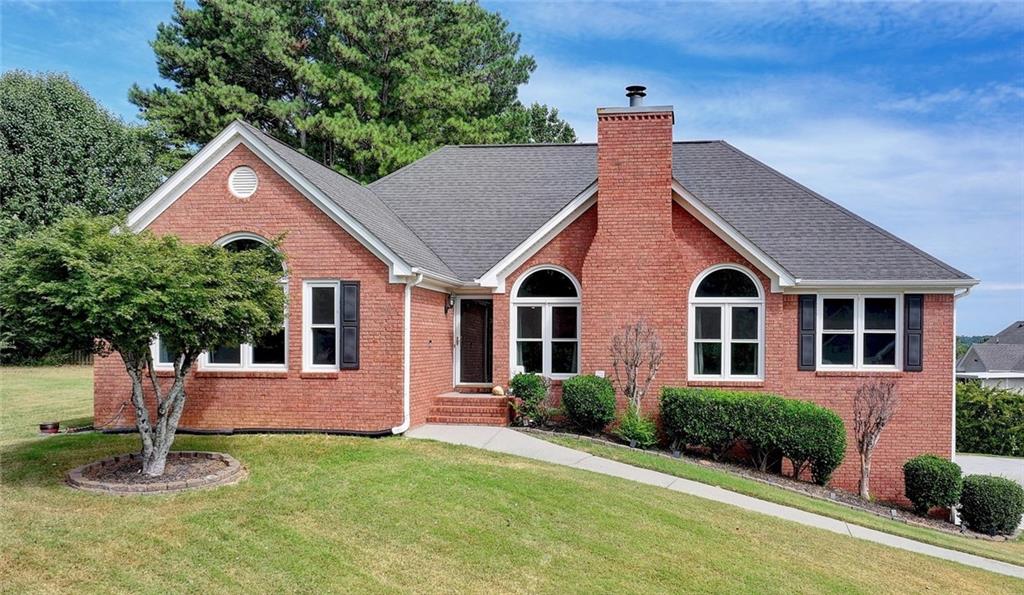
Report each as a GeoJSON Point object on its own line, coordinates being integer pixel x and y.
{"type": "Point", "coordinates": [347, 202]}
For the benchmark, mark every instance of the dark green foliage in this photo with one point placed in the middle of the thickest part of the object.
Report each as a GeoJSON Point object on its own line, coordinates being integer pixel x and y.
{"type": "Point", "coordinates": [60, 150]}
{"type": "Point", "coordinates": [589, 402]}
{"type": "Point", "coordinates": [989, 420]}
{"type": "Point", "coordinates": [531, 393]}
{"type": "Point", "coordinates": [964, 342]}
{"type": "Point", "coordinates": [991, 505]}
{"type": "Point", "coordinates": [809, 435]}
{"type": "Point", "coordinates": [365, 86]}
{"type": "Point", "coordinates": [931, 481]}
{"type": "Point", "coordinates": [637, 428]}
{"type": "Point", "coordinates": [76, 280]}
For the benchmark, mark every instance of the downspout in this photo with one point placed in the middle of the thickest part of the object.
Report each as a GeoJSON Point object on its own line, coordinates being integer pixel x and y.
{"type": "Point", "coordinates": [954, 517]}
{"type": "Point", "coordinates": [967, 291]}
{"type": "Point", "coordinates": [407, 356]}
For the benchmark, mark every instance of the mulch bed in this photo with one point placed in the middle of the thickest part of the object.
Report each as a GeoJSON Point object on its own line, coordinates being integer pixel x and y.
{"type": "Point", "coordinates": [185, 470]}
{"type": "Point", "coordinates": [882, 509]}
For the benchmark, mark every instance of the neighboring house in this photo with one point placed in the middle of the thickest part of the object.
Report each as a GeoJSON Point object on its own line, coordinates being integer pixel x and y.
{"type": "Point", "coordinates": [450, 274]}
{"type": "Point", "coordinates": [999, 361]}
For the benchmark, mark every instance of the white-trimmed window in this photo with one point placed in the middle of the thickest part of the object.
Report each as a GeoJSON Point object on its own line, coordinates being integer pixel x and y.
{"type": "Point", "coordinates": [269, 352]}
{"type": "Point", "coordinates": [321, 306]}
{"type": "Point", "coordinates": [545, 323]}
{"type": "Point", "coordinates": [726, 330]}
{"type": "Point", "coordinates": [859, 332]}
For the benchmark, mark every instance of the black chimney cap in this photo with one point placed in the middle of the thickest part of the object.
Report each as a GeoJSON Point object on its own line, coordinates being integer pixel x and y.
{"type": "Point", "coordinates": [636, 90]}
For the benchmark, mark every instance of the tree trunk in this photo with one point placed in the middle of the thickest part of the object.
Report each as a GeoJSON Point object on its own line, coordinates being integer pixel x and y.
{"type": "Point", "coordinates": [865, 474]}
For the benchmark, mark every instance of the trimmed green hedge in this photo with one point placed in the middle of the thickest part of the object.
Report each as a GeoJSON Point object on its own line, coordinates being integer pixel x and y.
{"type": "Point", "coordinates": [532, 391]}
{"type": "Point", "coordinates": [589, 402]}
{"type": "Point", "coordinates": [809, 435]}
{"type": "Point", "coordinates": [991, 505]}
{"type": "Point", "coordinates": [989, 420]}
{"type": "Point", "coordinates": [931, 481]}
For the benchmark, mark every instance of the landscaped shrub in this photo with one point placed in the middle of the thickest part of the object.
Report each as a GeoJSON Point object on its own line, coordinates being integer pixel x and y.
{"type": "Point", "coordinates": [809, 435]}
{"type": "Point", "coordinates": [930, 481]}
{"type": "Point", "coordinates": [531, 392]}
{"type": "Point", "coordinates": [991, 505]}
{"type": "Point", "coordinates": [637, 428]}
{"type": "Point", "coordinates": [989, 420]}
{"type": "Point", "coordinates": [589, 402]}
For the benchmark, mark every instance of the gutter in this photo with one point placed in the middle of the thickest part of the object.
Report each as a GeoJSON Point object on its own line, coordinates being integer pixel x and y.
{"type": "Point", "coordinates": [954, 517]}
{"type": "Point", "coordinates": [407, 356]}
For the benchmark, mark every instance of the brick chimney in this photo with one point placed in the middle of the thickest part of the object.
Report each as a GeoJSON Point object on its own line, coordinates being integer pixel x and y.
{"type": "Point", "coordinates": [629, 267]}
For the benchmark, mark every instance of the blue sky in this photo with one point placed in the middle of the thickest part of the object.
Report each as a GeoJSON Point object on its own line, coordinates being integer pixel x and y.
{"type": "Point", "coordinates": [910, 114]}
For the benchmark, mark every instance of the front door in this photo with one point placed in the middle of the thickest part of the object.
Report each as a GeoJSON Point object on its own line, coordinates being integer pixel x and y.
{"type": "Point", "coordinates": [473, 341]}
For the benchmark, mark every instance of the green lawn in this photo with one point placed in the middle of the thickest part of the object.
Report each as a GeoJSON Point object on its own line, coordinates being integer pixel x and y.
{"type": "Point", "coordinates": [1007, 551]}
{"type": "Point", "coordinates": [358, 514]}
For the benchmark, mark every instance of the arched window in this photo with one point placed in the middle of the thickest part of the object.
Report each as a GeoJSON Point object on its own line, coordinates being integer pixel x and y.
{"type": "Point", "coordinates": [268, 351]}
{"type": "Point", "coordinates": [546, 323]}
{"type": "Point", "coordinates": [726, 329]}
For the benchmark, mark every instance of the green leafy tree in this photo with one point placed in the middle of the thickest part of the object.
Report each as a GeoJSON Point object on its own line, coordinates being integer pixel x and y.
{"type": "Point", "coordinates": [59, 149]}
{"type": "Point", "coordinates": [365, 86]}
{"type": "Point", "coordinates": [89, 279]}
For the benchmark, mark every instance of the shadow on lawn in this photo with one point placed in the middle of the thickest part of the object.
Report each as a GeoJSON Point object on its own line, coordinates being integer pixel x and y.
{"type": "Point", "coordinates": [43, 461]}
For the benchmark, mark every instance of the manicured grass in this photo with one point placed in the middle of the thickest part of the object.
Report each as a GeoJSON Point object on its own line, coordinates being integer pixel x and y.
{"type": "Point", "coordinates": [30, 396]}
{"type": "Point", "coordinates": [374, 515]}
{"type": "Point", "coordinates": [1007, 551]}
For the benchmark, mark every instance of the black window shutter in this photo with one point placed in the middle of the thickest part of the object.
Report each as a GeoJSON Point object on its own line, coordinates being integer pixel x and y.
{"type": "Point", "coordinates": [913, 332]}
{"type": "Point", "coordinates": [807, 319]}
{"type": "Point", "coordinates": [349, 324]}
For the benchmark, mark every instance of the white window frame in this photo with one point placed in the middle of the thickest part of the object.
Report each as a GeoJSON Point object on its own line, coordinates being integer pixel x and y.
{"type": "Point", "coordinates": [858, 332]}
{"type": "Point", "coordinates": [308, 326]}
{"type": "Point", "coordinates": [245, 349]}
{"type": "Point", "coordinates": [726, 304]}
{"type": "Point", "coordinates": [546, 304]}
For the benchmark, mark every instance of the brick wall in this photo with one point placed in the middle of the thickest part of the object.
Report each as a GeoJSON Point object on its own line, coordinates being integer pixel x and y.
{"type": "Point", "coordinates": [641, 264]}
{"type": "Point", "coordinates": [432, 351]}
{"type": "Point", "coordinates": [367, 399]}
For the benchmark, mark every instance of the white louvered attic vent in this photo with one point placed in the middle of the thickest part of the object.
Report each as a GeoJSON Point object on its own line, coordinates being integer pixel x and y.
{"type": "Point", "coordinates": [243, 182]}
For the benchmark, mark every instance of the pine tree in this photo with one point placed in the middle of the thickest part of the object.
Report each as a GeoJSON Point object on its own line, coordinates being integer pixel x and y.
{"type": "Point", "coordinates": [365, 86]}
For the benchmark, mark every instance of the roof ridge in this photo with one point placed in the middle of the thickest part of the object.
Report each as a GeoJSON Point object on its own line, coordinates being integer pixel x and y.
{"type": "Point", "coordinates": [365, 187]}
{"type": "Point", "coordinates": [844, 210]}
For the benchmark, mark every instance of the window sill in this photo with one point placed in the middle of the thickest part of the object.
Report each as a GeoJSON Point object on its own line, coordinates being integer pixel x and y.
{"type": "Point", "coordinates": [859, 373]}
{"type": "Point", "coordinates": [318, 375]}
{"type": "Point", "coordinates": [241, 374]}
{"type": "Point", "coordinates": [759, 383]}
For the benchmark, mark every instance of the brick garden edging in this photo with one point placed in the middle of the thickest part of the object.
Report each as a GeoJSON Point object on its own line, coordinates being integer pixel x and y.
{"type": "Point", "coordinates": [233, 472]}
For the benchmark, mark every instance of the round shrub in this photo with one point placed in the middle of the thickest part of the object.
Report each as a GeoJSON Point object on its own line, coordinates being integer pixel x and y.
{"type": "Point", "coordinates": [930, 481]}
{"type": "Point", "coordinates": [531, 390]}
{"type": "Point", "coordinates": [991, 505]}
{"type": "Point", "coordinates": [589, 402]}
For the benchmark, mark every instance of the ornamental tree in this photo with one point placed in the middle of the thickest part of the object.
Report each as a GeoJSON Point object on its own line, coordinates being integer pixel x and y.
{"type": "Point", "coordinates": [874, 404]}
{"type": "Point", "coordinates": [87, 277]}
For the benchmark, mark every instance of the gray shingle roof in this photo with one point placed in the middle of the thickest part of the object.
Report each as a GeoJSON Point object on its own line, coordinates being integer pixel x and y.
{"type": "Point", "coordinates": [1013, 334]}
{"type": "Point", "coordinates": [461, 209]}
{"type": "Point", "coordinates": [993, 357]}
{"type": "Point", "coordinates": [362, 204]}
{"type": "Point", "coordinates": [474, 204]}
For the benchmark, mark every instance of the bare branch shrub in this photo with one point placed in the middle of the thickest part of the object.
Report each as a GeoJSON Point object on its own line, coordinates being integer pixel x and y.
{"type": "Point", "coordinates": [636, 350]}
{"type": "Point", "coordinates": [874, 404]}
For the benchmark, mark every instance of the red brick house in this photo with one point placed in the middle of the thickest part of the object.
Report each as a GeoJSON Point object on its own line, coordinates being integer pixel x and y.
{"type": "Point", "coordinates": [410, 297]}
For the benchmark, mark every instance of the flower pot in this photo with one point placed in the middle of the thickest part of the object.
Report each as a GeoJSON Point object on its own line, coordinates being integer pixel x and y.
{"type": "Point", "coordinates": [49, 427]}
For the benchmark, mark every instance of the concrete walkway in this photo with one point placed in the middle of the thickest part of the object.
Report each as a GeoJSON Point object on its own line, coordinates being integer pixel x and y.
{"type": "Point", "coordinates": [505, 440]}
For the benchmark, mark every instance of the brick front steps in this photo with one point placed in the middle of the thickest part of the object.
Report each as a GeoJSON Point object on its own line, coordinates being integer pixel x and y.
{"type": "Point", "coordinates": [475, 409]}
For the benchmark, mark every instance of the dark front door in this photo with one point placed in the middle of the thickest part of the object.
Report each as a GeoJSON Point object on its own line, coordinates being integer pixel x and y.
{"type": "Point", "coordinates": [475, 341]}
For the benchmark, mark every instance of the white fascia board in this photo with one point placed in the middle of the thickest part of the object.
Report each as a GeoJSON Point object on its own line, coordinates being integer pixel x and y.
{"type": "Point", "coordinates": [778, 275]}
{"type": "Point", "coordinates": [224, 143]}
{"type": "Point", "coordinates": [990, 375]}
{"type": "Point", "coordinates": [495, 277]}
{"type": "Point", "coordinates": [911, 286]}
